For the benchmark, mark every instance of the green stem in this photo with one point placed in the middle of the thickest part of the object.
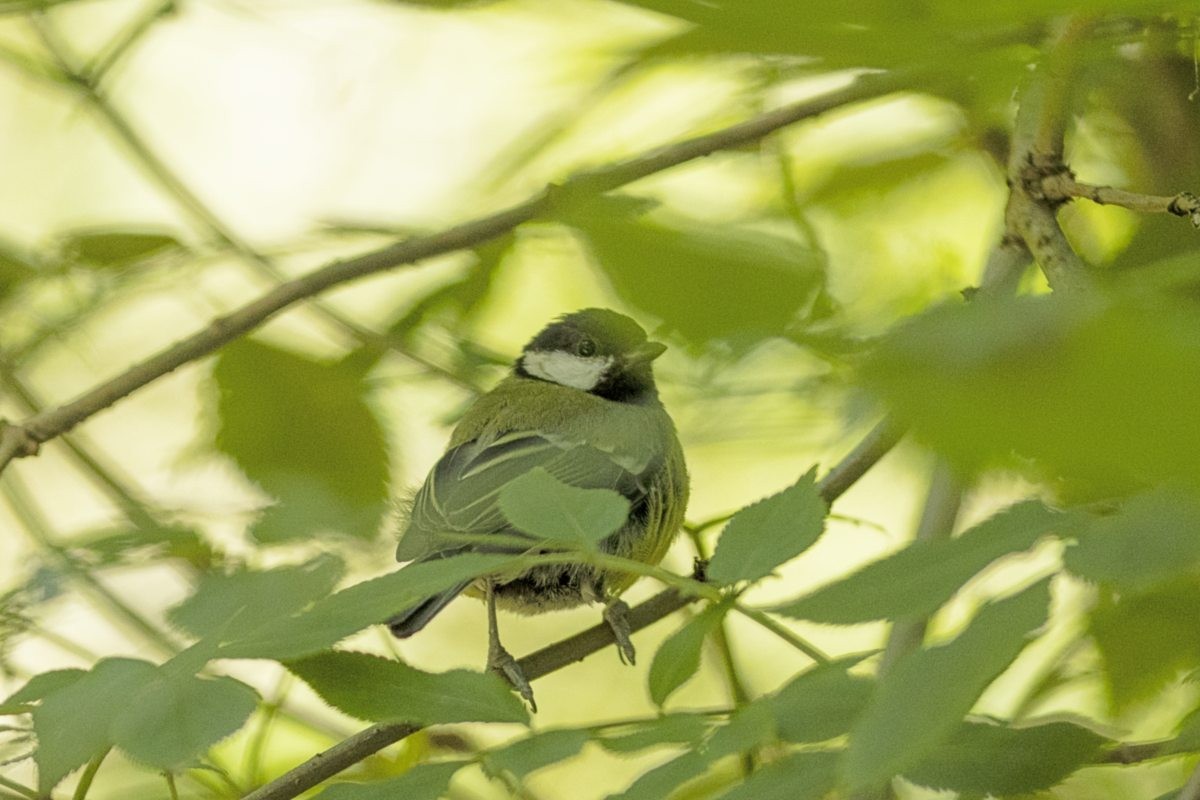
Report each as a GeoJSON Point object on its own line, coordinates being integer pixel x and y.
{"type": "Point", "coordinates": [270, 711]}
{"type": "Point", "coordinates": [23, 791]}
{"type": "Point", "coordinates": [171, 788]}
{"type": "Point", "coordinates": [782, 631]}
{"type": "Point", "coordinates": [89, 774]}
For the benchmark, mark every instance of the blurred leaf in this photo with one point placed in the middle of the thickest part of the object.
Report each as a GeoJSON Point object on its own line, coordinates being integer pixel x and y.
{"type": "Point", "coordinates": [373, 688]}
{"type": "Point", "coordinates": [372, 602]}
{"type": "Point", "coordinates": [176, 718]}
{"type": "Point", "coordinates": [15, 269]}
{"type": "Point", "coordinates": [1152, 539]}
{"type": "Point", "coordinates": [234, 604]}
{"type": "Point", "coordinates": [457, 300]}
{"type": "Point", "coordinates": [705, 283]}
{"type": "Point", "coordinates": [770, 532]}
{"type": "Point", "coordinates": [114, 248]}
{"type": "Point", "coordinates": [989, 759]}
{"type": "Point", "coordinates": [1146, 641]}
{"type": "Point", "coordinates": [72, 724]}
{"type": "Point", "coordinates": [1187, 740]}
{"type": "Point", "coordinates": [922, 700]}
{"type": "Point", "coordinates": [821, 703]}
{"type": "Point", "coordinates": [678, 657]}
{"type": "Point", "coordinates": [539, 504]}
{"type": "Point", "coordinates": [422, 782]}
{"type": "Point", "coordinates": [37, 688]}
{"type": "Point", "coordinates": [918, 579]}
{"type": "Point", "coordinates": [1097, 390]}
{"type": "Point", "coordinates": [667, 729]}
{"type": "Point", "coordinates": [531, 753]}
{"type": "Point", "coordinates": [302, 430]}
{"type": "Point", "coordinates": [121, 545]}
{"type": "Point", "coordinates": [797, 776]}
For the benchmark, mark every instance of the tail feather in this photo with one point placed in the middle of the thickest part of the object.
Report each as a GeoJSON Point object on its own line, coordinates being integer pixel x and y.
{"type": "Point", "coordinates": [414, 619]}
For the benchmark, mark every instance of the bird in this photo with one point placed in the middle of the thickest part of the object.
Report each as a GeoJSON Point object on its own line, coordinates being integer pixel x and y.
{"type": "Point", "coordinates": [580, 402]}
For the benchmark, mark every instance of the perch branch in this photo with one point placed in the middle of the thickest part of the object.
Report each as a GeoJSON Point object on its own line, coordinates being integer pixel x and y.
{"type": "Point", "coordinates": [1062, 186]}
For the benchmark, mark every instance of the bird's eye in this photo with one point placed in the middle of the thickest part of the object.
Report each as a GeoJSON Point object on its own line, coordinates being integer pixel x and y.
{"type": "Point", "coordinates": [586, 348]}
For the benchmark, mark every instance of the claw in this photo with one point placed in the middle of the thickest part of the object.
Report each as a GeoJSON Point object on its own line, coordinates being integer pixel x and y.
{"type": "Point", "coordinates": [616, 614]}
{"type": "Point", "coordinates": [500, 660]}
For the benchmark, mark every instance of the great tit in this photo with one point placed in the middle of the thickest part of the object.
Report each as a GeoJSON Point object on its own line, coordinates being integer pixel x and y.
{"type": "Point", "coordinates": [581, 403]}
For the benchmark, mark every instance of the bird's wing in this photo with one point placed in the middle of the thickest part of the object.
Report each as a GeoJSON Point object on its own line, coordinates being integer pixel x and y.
{"type": "Point", "coordinates": [461, 494]}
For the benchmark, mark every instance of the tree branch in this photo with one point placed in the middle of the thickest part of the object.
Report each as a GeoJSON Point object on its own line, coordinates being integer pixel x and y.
{"type": "Point", "coordinates": [23, 439]}
{"type": "Point", "coordinates": [1062, 186]}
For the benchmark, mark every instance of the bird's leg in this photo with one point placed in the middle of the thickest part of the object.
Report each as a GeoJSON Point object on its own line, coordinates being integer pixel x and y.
{"type": "Point", "coordinates": [616, 614]}
{"type": "Point", "coordinates": [500, 660]}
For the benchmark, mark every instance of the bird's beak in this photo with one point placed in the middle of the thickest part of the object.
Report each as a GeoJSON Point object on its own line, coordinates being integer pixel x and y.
{"type": "Point", "coordinates": [647, 352]}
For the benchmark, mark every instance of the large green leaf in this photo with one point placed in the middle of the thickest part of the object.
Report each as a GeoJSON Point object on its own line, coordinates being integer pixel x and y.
{"type": "Point", "coordinates": [531, 753]}
{"type": "Point", "coordinates": [705, 283]}
{"type": "Point", "coordinates": [1151, 539]}
{"type": "Point", "coordinates": [988, 759]}
{"type": "Point", "coordinates": [243, 601]}
{"type": "Point", "coordinates": [917, 580]}
{"type": "Point", "coordinates": [539, 504]}
{"type": "Point", "coordinates": [37, 688]}
{"type": "Point", "coordinates": [114, 247]}
{"type": "Point", "coordinates": [371, 602]}
{"type": "Point", "coordinates": [72, 724]}
{"type": "Point", "coordinates": [667, 729]}
{"type": "Point", "coordinates": [678, 658]}
{"type": "Point", "coordinates": [922, 700]}
{"type": "Point", "coordinates": [374, 688]}
{"type": "Point", "coordinates": [422, 782]}
{"type": "Point", "coordinates": [798, 776]}
{"type": "Point", "coordinates": [176, 718]}
{"type": "Point", "coordinates": [1096, 389]}
{"type": "Point", "coordinates": [820, 704]}
{"type": "Point", "coordinates": [764, 535]}
{"type": "Point", "coordinates": [303, 431]}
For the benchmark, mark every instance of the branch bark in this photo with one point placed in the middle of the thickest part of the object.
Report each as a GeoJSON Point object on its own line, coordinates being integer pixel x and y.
{"type": "Point", "coordinates": [1062, 186]}
{"type": "Point", "coordinates": [23, 439]}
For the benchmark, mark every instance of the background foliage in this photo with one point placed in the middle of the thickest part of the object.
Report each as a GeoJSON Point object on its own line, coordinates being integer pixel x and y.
{"type": "Point", "coordinates": [1005, 606]}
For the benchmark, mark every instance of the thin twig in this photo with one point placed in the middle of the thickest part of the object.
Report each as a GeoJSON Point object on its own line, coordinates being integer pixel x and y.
{"type": "Point", "coordinates": [89, 775]}
{"type": "Point", "coordinates": [18, 440]}
{"type": "Point", "coordinates": [23, 791]}
{"type": "Point", "coordinates": [1062, 186]}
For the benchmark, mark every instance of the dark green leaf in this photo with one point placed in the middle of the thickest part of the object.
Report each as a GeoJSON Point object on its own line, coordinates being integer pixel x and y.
{"type": "Point", "coordinates": [1146, 641]}
{"type": "Point", "coordinates": [917, 580]}
{"type": "Point", "coordinates": [113, 248]}
{"type": "Point", "coordinates": [706, 283]}
{"type": "Point", "coordinates": [121, 545]}
{"type": "Point", "coordinates": [1097, 390]}
{"type": "Point", "coordinates": [668, 729]}
{"type": "Point", "coordinates": [176, 718]}
{"type": "Point", "coordinates": [536, 751]}
{"type": "Point", "coordinates": [72, 724]}
{"type": "Point", "coordinates": [422, 782]}
{"type": "Point", "coordinates": [764, 535]}
{"type": "Point", "coordinates": [232, 605]}
{"type": "Point", "coordinates": [922, 700]}
{"type": "Point", "coordinates": [539, 504]}
{"type": "Point", "coordinates": [302, 430]}
{"type": "Point", "coordinates": [994, 759]}
{"type": "Point", "coordinates": [1187, 740]}
{"type": "Point", "coordinates": [15, 268]}
{"type": "Point", "coordinates": [37, 688]}
{"type": "Point", "coordinates": [1152, 539]}
{"type": "Point", "coordinates": [678, 657]}
{"type": "Point", "coordinates": [372, 602]}
{"type": "Point", "coordinates": [798, 776]}
{"type": "Point", "coordinates": [819, 704]}
{"type": "Point", "coordinates": [374, 688]}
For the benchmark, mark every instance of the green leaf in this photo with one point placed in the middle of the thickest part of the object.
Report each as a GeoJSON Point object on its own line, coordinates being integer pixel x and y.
{"type": "Point", "coordinates": [1146, 641]}
{"type": "Point", "coordinates": [177, 718]}
{"type": "Point", "coordinates": [72, 724]}
{"type": "Point", "coordinates": [372, 602]}
{"type": "Point", "coordinates": [682, 272]}
{"type": "Point", "coordinates": [37, 688]}
{"type": "Point", "coordinates": [1152, 539]}
{"type": "Point", "coordinates": [377, 689]}
{"type": "Point", "coordinates": [1096, 390]}
{"type": "Point", "coordinates": [798, 776]}
{"type": "Point", "coordinates": [534, 752]}
{"type": "Point", "coordinates": [539, 504]}
{"type": "Point", "coordinates": [764, 535]}
{"type": "Point", "coordinates": [15, 268]}
{"type": "Point", "coordinates": [422, 782]}
{"type": "Point", "coordinates": [917, 580]}
{"type": "Point", "coordinates": [678, 658]}
{"type": "Point", "coordinates": [984, 758]}
{"type": "Point", "coordinates": [114, 248]}
{"type": "Point", "coordinates": [303, 431]}
{"type": "Point", "coordinates": [921, 702]}
{"type": "Point", "coordinates": [241, 602]}
{"type": "Point", "coordinates": [820, 704]}
{"type": "Point", "coordinates": [667, 729]}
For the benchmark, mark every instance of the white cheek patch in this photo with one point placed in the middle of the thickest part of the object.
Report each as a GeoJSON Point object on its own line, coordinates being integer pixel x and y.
{"type": "Point", "coordinates": [567, 369]}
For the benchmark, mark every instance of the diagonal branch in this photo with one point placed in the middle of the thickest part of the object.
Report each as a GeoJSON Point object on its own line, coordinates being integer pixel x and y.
{"type": "Point", "coordinates": [1062, 186]}
{"type": "Point", "coordinates": [23, 439]}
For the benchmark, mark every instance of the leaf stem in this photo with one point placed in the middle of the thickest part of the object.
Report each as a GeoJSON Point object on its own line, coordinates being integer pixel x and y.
{"type": "Point", "coordinates": [89, 775]}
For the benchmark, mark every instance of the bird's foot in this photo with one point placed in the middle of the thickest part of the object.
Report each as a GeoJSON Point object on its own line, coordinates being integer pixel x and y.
{"type": "Point", "coordinates": [501, 662]}
{"type": "Point", "coordinates": [616, 614]}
